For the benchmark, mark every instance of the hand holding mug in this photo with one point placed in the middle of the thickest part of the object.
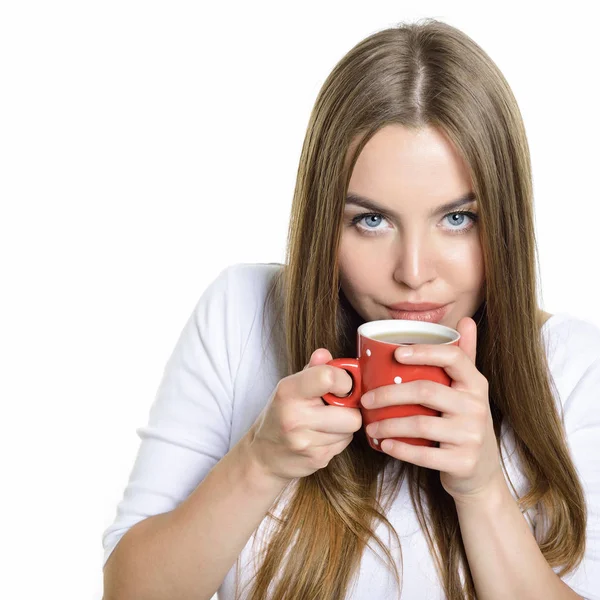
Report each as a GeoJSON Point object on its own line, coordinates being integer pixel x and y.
{"type": "Point", "coordinates": [467, 456]}
{"type": "Point", "coordinates": [296, 434]}
{"type": "Point", "coordinates": [376, 366]}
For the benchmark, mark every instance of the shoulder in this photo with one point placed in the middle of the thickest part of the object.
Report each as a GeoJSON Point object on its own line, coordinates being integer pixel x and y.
{"type": "Point", "coordinates": [543, 316]}
{"type": "Point", "coordinates": [253, 277]}
{"type": "Point", "coordinates": [229, 317]}
{"type": "Point", "coordinates": [241, 287]}
{"type": "Point", "coordinates": [233, 306]}
{"type": "Point", "coordinates": [573, 350]}
{"type": "Point", "coordinates": [571, 338]}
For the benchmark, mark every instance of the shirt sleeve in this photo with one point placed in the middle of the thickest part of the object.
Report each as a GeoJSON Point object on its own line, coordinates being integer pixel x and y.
{"type": "Point", "coordinates": [188, 429]}
{"type": "Point", "coordinates": [582, 425]}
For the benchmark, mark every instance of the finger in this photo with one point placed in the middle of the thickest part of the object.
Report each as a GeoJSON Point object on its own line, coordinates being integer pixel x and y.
{"type": "Point", "coordinates": [430, 394]}
{"type": "Point", "coordinates": [320, 380]}
{"type": "Point", "coordinates": [437, 459]}
{"type": "Point", "coordinates": [328, 439]}
{"type": "Point", "coordinates": [452, 359]}
{"type": "Point", "coordinates": [320, 356]}
{"type": "Point", "coordinates": [436, 429]}
{"type": "Point", "coordinates": [468, 337]}
{"type": "Point", "coordinates": [334, 419]}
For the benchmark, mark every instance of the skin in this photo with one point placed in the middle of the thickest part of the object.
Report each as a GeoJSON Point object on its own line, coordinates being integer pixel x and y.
{"type": "Point", "coordinates": [420, 258]}
{"type": "Point", "coordinates": [409, 249]}
{"type": "Point", "coordinates": [414, 257]}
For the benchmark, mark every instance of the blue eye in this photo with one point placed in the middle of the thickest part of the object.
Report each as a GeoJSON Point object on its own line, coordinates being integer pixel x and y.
{"type": "Point", "coordinates": [461, 218]}
{"type": "Point", "coordinates": [458, 218]}
{"type": "Point", "coordinates": [369, 223]}
{"type": "Point", "coordinates": [372, 221]}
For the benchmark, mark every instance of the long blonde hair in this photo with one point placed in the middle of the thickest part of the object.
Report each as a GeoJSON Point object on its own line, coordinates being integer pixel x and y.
{"type": "Point", "coordinates": [422, 74]}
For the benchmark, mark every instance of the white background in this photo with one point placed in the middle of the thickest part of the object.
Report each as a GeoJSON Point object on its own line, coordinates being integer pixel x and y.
{"type": "Point", "coordinates": [145, 146]}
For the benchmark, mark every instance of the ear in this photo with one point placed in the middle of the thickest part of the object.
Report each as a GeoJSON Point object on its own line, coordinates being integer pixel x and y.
{"type": "Point", "coordinates": [468, 337]}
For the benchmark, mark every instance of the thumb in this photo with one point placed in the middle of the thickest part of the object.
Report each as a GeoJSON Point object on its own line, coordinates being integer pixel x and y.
{"type": "Point", "coordinates": [320, 356]}
{"type": "Point", "coordinates": [468, 337]}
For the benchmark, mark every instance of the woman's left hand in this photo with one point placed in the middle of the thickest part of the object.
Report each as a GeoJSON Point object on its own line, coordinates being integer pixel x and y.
{"type": "Point", "coordinates": [467, 457]}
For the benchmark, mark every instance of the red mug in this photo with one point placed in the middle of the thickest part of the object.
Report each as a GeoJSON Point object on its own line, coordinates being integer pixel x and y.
{"type": "Point", "coordinates": [376, 366]}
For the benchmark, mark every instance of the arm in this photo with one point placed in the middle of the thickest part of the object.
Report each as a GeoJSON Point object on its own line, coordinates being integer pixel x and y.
{"type": "Point", "coordinates": [185, 460]}
{"type": "Point", "coordinates": [187, 552]}
{"type": "Point", "coordinates": [192, 503]}
{"type": "Point", "coordinates": [503, 555]}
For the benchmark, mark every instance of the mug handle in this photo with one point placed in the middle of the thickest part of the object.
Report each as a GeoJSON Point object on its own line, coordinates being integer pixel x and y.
{"type": "Point", "coordinates": [352, 400]}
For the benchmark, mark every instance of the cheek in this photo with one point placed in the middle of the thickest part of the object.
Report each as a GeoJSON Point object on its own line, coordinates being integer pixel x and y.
{"type": "Point", "coordinates": [360, 268]}
{"type": "Point", "coordinates": [464, 265]}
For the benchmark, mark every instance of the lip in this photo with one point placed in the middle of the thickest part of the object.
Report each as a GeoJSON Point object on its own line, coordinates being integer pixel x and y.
{"type": "Point", "coordinates": [410, 306]}
{"type": "Point", "coordinates": [432, 313]}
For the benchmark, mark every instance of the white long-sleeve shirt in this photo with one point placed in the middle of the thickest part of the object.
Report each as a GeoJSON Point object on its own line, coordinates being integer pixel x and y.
{"type": "Point", "coordinates": [221, 375]}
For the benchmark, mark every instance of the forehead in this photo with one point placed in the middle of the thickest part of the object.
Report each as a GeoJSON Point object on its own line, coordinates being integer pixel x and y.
{"type": "Point", "coordinates": [398, 161]}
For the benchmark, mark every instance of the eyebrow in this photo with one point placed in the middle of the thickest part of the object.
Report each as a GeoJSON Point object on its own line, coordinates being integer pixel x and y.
{"type": "Point", "coordinates": [369, 204]}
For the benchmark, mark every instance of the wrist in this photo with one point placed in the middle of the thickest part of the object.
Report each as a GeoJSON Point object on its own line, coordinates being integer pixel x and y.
{"type": "Point", "coordinates": [256, 474]}
{"type": "Point", "coordinates": [489, 498]}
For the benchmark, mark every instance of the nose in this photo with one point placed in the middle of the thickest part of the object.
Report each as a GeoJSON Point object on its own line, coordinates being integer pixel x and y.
{"type": "Point", "coordinates": [415, 264]}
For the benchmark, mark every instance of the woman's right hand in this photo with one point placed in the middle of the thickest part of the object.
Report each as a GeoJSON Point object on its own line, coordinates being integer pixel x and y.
{"type": "Point", "coordinates": [297, 433]}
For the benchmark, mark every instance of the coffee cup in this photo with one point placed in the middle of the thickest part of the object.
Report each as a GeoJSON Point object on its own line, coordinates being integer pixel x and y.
{"type": "Point", "coordinates": [376, 367]}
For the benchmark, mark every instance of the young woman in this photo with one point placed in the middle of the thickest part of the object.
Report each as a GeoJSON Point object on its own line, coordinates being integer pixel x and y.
{"type": "Point", "coordinates": [414, 187]}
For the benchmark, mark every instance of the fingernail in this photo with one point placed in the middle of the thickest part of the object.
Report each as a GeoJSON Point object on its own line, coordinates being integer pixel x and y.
{"type": "Point", "coordinates": [368, 399]}
{"type": "Point", "coordinates": [372, 429]}
{"type": "Point", "coordinates": [403, 351]}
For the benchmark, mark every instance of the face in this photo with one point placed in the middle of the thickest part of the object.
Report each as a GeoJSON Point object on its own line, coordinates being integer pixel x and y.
{"type": "Point", "coordinates": [399, 244]}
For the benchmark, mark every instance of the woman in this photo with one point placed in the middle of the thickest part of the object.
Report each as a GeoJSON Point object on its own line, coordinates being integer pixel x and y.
{"type": "Point", "coordinates": [414, 186]}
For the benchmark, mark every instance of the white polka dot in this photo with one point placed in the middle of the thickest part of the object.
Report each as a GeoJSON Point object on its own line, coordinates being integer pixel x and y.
{"type": "Point", "coordinates": [397, 379]}
{"type": "Point", "coordinates": [376, 442]}
{"type": "Point", "coordinates": [368, 352]}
